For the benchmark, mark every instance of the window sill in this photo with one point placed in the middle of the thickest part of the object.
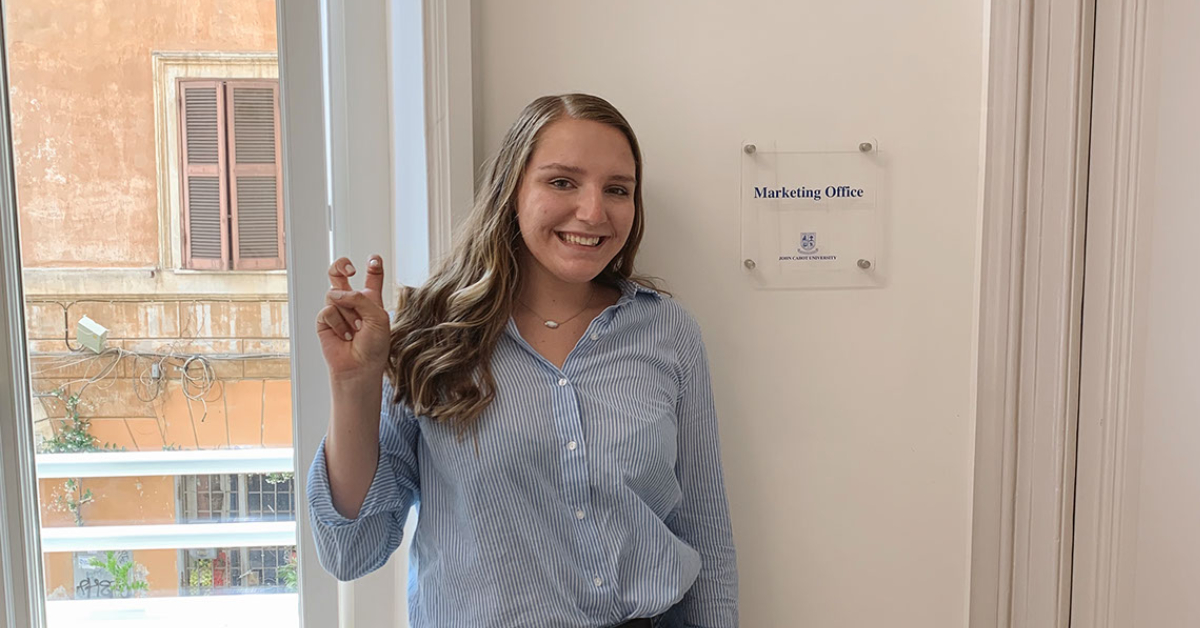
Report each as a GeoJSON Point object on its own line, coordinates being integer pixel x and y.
{"type": "Point", "coordinates": [226, 611]}
{"type": "Point", "coordinates": [191, 271]}
{"type": "Point", "coordinates": [152, 283]}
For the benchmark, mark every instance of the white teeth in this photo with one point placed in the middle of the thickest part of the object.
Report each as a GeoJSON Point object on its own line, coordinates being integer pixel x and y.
{"type": "Point", "coordinates": [578, 240]}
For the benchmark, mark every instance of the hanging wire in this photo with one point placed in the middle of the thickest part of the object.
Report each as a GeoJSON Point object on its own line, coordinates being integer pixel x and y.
{"type": "Point", "coordinates": [197, 376]}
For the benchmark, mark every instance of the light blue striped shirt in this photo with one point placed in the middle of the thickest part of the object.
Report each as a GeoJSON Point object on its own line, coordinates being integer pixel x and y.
{"type": "Point", "coordinates": [596, 495]}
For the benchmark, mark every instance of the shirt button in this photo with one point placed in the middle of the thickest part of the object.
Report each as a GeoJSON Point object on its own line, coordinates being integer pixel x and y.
{"type": "Point", "coordinates": [595, 336]}
{"type": "Point", "coordinates": [579, 514]}
{"type": "Point", "coordinates": [571, 445]}
{"type": "Point", "coordinates": [562, 381]}
{"type": "Point", "coordinates": [598, 580]}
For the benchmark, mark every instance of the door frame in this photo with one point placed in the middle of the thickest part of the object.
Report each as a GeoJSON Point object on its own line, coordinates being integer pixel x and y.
{"type": "Point", "coordinates": [1030, 303]}
{"type": "Point", "coordinates": [1120, 208]}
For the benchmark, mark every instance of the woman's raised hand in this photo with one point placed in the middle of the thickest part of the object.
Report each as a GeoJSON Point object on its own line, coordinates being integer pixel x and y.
{"type": "Point", "coordinates": [353, 326]}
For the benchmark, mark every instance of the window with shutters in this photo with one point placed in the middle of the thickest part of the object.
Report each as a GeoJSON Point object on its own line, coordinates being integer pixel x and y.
{"type": "Point", "coordinates": [232, 198]}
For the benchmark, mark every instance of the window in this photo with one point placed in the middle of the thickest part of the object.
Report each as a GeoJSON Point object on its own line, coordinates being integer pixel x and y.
{"type": "Point", "coordinates": [232, 199]}
{"type": "Point", "coordinates": [99, 168]}
{"type": "Point", "coordinates": [237, 497]}
{"type": "Point", "coordinates": [190, 376]}
{"type": "Point", "coordinates": [225, 570]}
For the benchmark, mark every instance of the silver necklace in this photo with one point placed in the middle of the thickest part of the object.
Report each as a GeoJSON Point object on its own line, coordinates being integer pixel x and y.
{"type": "Point", "coordinates": [556, 324]}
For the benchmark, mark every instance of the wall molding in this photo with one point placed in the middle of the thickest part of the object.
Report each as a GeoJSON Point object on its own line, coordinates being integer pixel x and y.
{"type": "Point", "coordinates": [1039, 85]}
{"type": "Point", "coordinates": [152, 283]}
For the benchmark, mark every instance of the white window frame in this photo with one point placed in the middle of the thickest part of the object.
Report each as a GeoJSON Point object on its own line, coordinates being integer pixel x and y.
{"type": "Point", "coordinates": [302, 68]}
{"type": "Point", "coordinates": [22, 604]}
{"type": "Point", "coordinates": [407, 68]}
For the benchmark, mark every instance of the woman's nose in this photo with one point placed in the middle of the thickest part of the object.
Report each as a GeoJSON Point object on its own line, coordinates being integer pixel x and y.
{"type": "Point", "coordinates": [591, 207]}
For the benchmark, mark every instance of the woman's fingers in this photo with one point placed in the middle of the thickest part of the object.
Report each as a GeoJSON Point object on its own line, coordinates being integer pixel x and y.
{"type": "Point", "coordinates": [345, 310]}
{"type": "Point", "coordinates": [340, 273]}
{"type": "Point", "coordinates": [352, 305]}
{"type": "Point", "coordinates": [374, 281]}
{"type": "Point", "coordinates": [339, 278]}
{"type": "Point", "coordinates": [365, 307]}
{"type": "Point", "coordinates": [331, 317]}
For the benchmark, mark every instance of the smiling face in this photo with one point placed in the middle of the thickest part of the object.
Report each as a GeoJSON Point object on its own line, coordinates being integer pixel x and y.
{"type": "Point", "coordinates": [575, 204]}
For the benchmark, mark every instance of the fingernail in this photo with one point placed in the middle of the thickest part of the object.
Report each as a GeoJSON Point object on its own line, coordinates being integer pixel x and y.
{"type": "Point", "coordinates": [349, 268]}
{"type": "Point", "coordinates": [374, 263]}
{"type": "Point", "coordinates": [348, 336]}
{"type": "Point", "coordinates": [358, 324]}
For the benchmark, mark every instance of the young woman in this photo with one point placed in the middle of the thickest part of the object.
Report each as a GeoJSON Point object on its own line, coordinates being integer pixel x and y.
{"type": "Point", "coordinates": [548, 411]}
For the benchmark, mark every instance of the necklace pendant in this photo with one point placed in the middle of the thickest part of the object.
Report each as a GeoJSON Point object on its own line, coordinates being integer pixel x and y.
{"type": "Point", "coordinates": [550, 324]}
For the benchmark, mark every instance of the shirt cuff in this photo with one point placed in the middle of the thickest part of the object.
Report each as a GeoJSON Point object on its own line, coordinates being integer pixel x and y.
{"type": "Point", "coordinates": [383, 494]}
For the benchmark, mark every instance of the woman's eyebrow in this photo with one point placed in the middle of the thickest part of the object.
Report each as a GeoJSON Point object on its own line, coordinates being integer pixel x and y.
{"type": "Point", "coordinates": [564, 167]}
{"type": "Point", "coordinates": [580, 171]}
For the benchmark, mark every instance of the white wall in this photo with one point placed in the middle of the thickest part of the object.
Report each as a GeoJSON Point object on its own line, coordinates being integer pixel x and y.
{"type": "Point", "coordinates": [847, 418]}
{"type": "Point", "coordinates": [1168, 400]}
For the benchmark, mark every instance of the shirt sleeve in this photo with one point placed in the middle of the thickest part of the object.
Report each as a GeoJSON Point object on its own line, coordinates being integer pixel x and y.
{"type": "Point", "coordinates": [352, 548]}
{"type": "Point", "coordinates": [702, 519]}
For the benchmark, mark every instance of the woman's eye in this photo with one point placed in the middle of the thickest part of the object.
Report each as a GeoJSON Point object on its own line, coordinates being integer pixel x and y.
{"type": "Point", "coordinates": [620, 191]}
{"type": "Point", "coordinates": [561, 184]}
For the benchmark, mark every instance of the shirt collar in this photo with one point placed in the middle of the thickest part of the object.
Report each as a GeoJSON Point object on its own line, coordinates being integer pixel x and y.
{"type": "Point", "coordinates": [630, 289]}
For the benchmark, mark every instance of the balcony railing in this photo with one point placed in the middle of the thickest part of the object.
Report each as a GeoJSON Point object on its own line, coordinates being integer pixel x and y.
{"type": "Point", "coordinates": [177, 536]}
{"type": "Point", "coordinates": [146, 463]}
{"type": "Point", "coordinates": [250, 609]}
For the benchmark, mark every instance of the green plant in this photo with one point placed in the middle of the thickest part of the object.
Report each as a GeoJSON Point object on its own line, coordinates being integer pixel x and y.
{"type": "Point", "coordinates": [279, 478]}
{"type": "Point", "coordinates": [128, 576]}
{"type": "Point", "coordinates": [287, 573]}
{"type": "Point", "coordinates": [74, 430]}
{"type": "Point", "coordinates": [72, 499]}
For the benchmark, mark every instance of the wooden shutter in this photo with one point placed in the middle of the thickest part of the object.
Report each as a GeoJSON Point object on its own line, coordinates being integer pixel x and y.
{"type": "Point", "coordinates": [205, 194]}
{"type": "Point", "coordinates": [256, 207]}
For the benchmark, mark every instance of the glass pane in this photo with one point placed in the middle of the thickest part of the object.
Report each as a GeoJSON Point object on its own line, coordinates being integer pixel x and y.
{"type": "Point", "coordinates": [813, 219]}
{"type": "Point", "coordinates": [155, 324]}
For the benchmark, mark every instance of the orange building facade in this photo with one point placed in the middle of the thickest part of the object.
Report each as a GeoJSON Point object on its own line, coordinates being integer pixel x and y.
{"type": "Point", "coordinates": [194, 359]}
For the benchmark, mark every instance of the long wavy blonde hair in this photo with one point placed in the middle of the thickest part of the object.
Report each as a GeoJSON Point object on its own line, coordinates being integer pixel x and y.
{"type": "Point", "coordinates": [445, 331]}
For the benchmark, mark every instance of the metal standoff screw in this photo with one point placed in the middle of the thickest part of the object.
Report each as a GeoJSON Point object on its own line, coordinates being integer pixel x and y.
{"type": "Point", "coordinates": [864, 264]}
{"type": "Point", "coordinates": [866, 147]}
{"type": "Point", "coordinates": [749, 264]}
{"type": "Point", "coordinates": [749, 148]}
